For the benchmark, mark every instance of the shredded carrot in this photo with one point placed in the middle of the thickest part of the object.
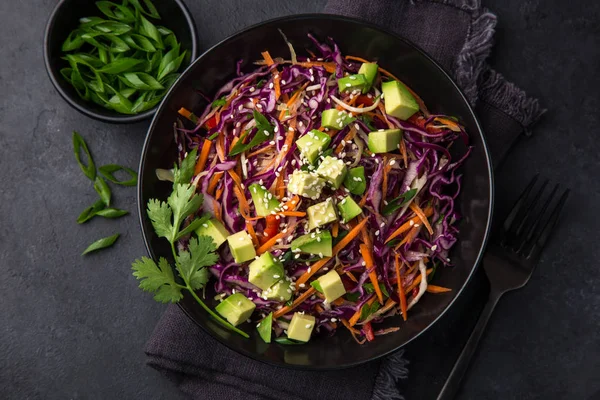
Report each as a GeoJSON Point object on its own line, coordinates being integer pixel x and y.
{"type": "Point", "coordinates": [214, 181]}
{"type": "Point", "coordinates": [350, 328]}
{"type": "Point", "coordinates": [292, 203]}
{"type": "Point", "coordinates": [412, 234]}
{"type": "Point", "coordinates": [220, 146]}
{"type": "Point", "coordinates": [219, 192]}
{"type": "Point", "coordinates": [267, 58]}
{"type": "Point", "coordinates": [260, 151]}
{"type": "Point", "coordinates": [417, 210]}
{"type": "Point", "coordinates": [351, 276]}
{"type": "Point", "coordinates": [201, 164]}
{"type": "Point", "coordinates": [252, 233]}
{"type": "Point", "coordinates": [336, 249]}
{"type": "Point", "coordinates": [407, 225]}
{"type": "Point", "coordinates": [417, 281]}
{"type": "Point", "coordinates": [284, 310]}
{"type": "Point", "coordinates": [217, 208]}
{"type": "Point", "coordinates": [363, 201]}
{"type": "Point", "coordinates": [365, 251]}
{"type": "Point", "coordinates": [289, 139]}
{"type": "Point", "coordinates": [450, 123]}
{"type": "Point", "coordinates": [299, 214]}
{"type": "Point", "coordinates": [292, 100]}
{"type": "Point", "coordinates": [349, 136]}
{"type": "Point", "coordinates": [356, 316]}
{"type": "Point", "coordinates": [382, 109]}
{"type": "Point", "coordinates": [236, 178]}
{"type": "Point", "coordinates": [401, 293]}
{"type": "Point", "coordinates": [329, 66]}
{"type": "Point", "coordinates": [437, 289]}
{"type": "Point", "coordinates": [335, 229]}
{"type": "Point", "coordinates": [403, 151]}
{"type": "Point", "coordinates": [272, 241]}
{"type": "Point", "coordinates": [184, 112]}
{"type": "Point", "coordinates": [244, 206]}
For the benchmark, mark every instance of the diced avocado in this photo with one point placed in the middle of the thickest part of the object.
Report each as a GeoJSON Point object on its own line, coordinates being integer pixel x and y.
{"type": "Point", "coordinates": [384, 140]}
{"type": "Point", "coordinates": [321, 214]}
{"type": "Point", "coordinates": [398, 101]}
{"type": "Point", "coordinates": [306, 184]}
{"type": "Point", "coordinates": [335, 119]}
{"type": "Point", "coordinates": [236, 308]}
{"type": "Point", "coordinates": [265, 271]}
{"type": "Point", "coordinates": [352, 82]}
{"type": "Point", "coordinates": [215, 229]}
{"type": "Point", "coordinates": [369, 70]}
{"type": "Point", "coordinates": [301, 327]}
{"type": "Point", "coordinates": [355, 181]}
{"type": "Point", "coordinates": [264, 328]}
{"type": "Point", "coordinates": [312, 144]}
{"type": "Point", "coordinates": [263, 200]}
{"type": "Point", "coordinates": [281, 291]}
{"type": "Point", "coordinates": [333, 170]}
{"type": "Point", "coordinates": [348, 209]}
{"type": "Point", "coordinates": [241, 247]}
{"type": "Point", "coordinates": [332, 286]}
{"type": "Point", "coordinates": [314, 243]}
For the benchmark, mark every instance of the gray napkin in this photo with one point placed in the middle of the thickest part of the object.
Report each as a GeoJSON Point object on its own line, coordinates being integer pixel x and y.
{"type": "Point", "coordinates": [456, 33]}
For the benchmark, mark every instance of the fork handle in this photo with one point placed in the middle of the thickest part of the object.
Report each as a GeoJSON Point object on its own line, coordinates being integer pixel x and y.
{"type": "Point", "coordinates": [452, 384]}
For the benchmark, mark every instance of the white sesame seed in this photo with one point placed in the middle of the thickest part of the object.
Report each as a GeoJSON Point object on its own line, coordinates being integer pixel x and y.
{"type": "Point", "coordinates": [348, 84]}
{"type": "Point", "coordinates": [297, 256]}
{"type": "Point", "coordinates": [364, 264]}
{"type": "Point", "coordinates": [271, 85]}
{"type": "Point", "coordinates": [252, 89]}
{"type": "Point", "coordinates": [308, 326]}
{"type": "Point", "coordinates": [392, 161]}
{"type": "Point", "coordinates": [434, 247]}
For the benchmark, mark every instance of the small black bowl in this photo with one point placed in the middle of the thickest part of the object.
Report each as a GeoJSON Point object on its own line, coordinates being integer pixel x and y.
{"type": "Point", "coordinates": [65, 18]}
{"type": "Point", "coordinates": [411, 65]}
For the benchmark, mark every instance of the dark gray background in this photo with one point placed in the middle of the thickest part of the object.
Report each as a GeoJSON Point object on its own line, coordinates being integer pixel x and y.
{"type": "Point", "coordinates": [74, 328]}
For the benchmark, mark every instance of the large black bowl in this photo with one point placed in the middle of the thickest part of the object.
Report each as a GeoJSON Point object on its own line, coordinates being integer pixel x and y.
{"type": "Point", "coordinates": [411, 65]}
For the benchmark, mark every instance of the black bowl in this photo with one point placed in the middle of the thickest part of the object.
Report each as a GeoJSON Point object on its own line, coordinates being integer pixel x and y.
{"type": "Point", "coordinates": [65, 17]}
{"type": "Point", "coordinates": [411, 65]}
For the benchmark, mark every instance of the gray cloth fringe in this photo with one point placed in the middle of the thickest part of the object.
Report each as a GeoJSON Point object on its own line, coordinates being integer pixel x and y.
{"type": "Point", "coordinates": [392, 369]}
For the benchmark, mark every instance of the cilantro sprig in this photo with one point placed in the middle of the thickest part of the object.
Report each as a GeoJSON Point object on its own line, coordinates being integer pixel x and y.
{"type": "Point", "coordinates": [191, 264]}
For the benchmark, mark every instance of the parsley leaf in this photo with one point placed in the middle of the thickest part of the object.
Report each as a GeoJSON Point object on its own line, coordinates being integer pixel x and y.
{"type": "Point", "coordinates": [184, 173]}
{"type": "Point", "coordinates": [192, 264]}
{"type": "Point", "coordinates": [158, 279]}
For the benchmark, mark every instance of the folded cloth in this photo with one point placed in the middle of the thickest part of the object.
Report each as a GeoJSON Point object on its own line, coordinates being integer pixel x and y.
{"type": "Point", "coordinates": [456, 33]}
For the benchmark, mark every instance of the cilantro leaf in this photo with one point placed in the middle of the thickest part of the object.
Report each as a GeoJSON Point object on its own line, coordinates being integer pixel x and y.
{"type": "Point", "coordinates": [192, 264]}
{"type": "Point", "coordinates": [195, 224]}
{"type": "Point", "coordinates": [160, 214]}
{"type": "Point", "coordinates": [183, 201]}
{"type": "Point", "coordinates": [157, 279]}
{"type": "Point", "coordinates": [184, 173]}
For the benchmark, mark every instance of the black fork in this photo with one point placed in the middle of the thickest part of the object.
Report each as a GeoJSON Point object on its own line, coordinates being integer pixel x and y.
{"type": "Point", "coordinates": [510, 259]}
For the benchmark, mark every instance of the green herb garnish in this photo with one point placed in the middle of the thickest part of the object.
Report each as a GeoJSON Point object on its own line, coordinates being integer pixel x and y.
{"type": "Point", "coordinates": [264, 133]}
{"type": "Point", "coordinates": [398, 202]}
{"type": "Point", "coordinates": [219, 102]}
{"type": "Point", "coordinates": [317, 286]}
{"type": "Point", "coordinates": [285, 340]}
{"type": "Point", "coordinates": [109, 170]}
{"type": "Point", "coordinates": [101, 244]}
{"type": "Point", "coordinates": [79, 145]}
{"type": "Point", "coordinates": [123, 61]}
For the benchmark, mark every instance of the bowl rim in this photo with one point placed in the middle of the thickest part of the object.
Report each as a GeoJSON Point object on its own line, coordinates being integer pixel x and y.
{"type": "Point", "coordinates": [484, 147]}
{"type": "Point", "coordinates": [117, 118]}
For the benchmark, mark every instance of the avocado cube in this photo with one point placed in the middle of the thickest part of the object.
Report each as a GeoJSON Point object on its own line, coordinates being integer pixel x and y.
{"type": "Point", "coordinates": [264, 201]}
{"type": "Point", "coordinates": [352, 82]}
{"type": "Point", "coordinates": [398, 101]}
{"type": "Point", "coordinates": [314, 243]}
{"type": "Point", "coordinates": [355, 180]}
{"type": "Point", "coordinates": [281, 291]}
{"type": "Point", "coordinates": [215, 229]}
{"type": "Point", "coordinates": [321, 214]}
{"type": "Point", "coordinates": [348, 209]}
{"type": "Point", "coordinates": [332, 286]}
{"type": "Point", "coordinates": [301, 327]}
{"type": "Point", "coordinates": [369, 70]}
{"type": "Point", "coordinates": [335, 119]}
{"type": "Point", "coordinates": [312, 144]}
{"type": "Point", "coordinates": [306, 184]}
{"type": "Point", "coordinates": [384, 140]}
{"type": "Point", "coordinates": [241, 247]}
{"type": "Point", "coordinates": [265, 271]}
{"type": "Point", "coordinates": [236, 308]}
{"type": "Point", "coordinates": [333, 170]}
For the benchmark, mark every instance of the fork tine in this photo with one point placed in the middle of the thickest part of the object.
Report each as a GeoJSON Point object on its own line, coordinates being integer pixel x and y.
{"type": "Point", "coordinates": [533, 225]}
{"type": "Point", "coordinates": [542, 237]}
{"type": "Point", "coordinates": [519, 204]}
{"type": "Point", "coordinates": [524, 220]}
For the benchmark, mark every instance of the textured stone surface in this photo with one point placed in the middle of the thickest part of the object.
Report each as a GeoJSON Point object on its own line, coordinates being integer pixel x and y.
{"type": "Point", "coordinates": [73, 327]}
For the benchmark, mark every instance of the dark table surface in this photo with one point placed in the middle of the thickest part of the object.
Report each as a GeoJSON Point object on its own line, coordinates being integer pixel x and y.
{"type": "Point", "coordinates": [74, 328]}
